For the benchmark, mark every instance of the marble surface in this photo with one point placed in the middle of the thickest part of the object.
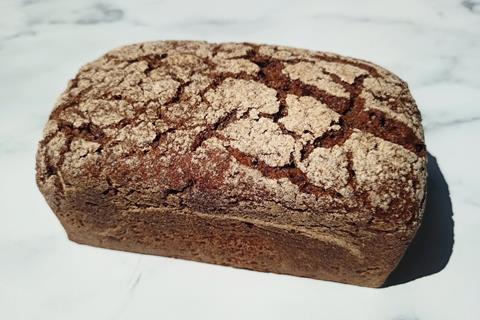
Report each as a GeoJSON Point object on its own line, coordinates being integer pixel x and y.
{"type": "Point", "coordinates": [433, 44]}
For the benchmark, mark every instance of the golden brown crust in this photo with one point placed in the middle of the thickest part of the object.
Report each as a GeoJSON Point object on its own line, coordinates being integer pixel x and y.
{"type": "Point", "coordinates": [296, 140]}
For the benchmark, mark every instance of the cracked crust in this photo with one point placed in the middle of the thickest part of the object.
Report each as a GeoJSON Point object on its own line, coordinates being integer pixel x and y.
{"type": "Point", "coordinates": [283, 142]}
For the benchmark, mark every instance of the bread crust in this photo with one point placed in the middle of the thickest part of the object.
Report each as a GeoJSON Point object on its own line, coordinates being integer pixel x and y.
{"type": "Point", "coordinates": [256, 156]}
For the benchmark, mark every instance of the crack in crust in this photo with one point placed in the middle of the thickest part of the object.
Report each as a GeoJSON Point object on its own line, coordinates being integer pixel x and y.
{"type": "Point", "coordinates": [352, 109]}
{"type": "Point", "coordinates": [179, 102]}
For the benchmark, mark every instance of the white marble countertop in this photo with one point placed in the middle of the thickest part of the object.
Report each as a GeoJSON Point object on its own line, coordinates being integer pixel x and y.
{"type": "Point", "coordinates": [433, 44]}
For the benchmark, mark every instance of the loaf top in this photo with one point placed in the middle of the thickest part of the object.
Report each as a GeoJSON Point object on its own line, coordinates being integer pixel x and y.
{"type": "Point", "coordinates": [278, 134]}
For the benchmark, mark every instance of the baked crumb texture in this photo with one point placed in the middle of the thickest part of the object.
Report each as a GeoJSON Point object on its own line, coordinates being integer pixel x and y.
{"type": "Point", "coordinates": [255, 156]}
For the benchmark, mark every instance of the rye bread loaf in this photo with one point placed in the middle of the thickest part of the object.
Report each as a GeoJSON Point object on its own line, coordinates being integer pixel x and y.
{"type": "Point", "coordinates": [255, 156]}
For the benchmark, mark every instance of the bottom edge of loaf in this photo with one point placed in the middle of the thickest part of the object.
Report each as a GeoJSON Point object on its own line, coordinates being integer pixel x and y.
{"type": "Point", "coordinates": [232, 243]}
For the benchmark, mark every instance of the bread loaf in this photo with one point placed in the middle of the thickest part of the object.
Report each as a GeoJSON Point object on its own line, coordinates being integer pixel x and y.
{"type": "Point", "coordinates": [254, 156]}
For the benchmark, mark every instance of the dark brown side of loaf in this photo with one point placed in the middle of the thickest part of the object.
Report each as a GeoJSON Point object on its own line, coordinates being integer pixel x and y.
{"type": "Point", "coordinates": [254, 156]}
